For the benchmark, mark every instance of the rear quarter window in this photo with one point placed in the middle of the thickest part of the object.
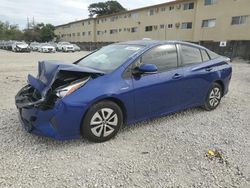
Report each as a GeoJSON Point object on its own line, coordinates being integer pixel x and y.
{"type": "Point", "coordinates": [205, 56]}
{"type": "Point", "coordinates": [212, 55]}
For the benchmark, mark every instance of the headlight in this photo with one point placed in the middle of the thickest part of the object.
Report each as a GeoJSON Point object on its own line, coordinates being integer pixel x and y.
{"type": "Point", "coordinates": [62, 92]}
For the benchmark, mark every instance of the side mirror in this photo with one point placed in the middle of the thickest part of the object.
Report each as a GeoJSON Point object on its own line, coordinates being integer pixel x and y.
{"type": "Point", "coordinates": [146, 69]}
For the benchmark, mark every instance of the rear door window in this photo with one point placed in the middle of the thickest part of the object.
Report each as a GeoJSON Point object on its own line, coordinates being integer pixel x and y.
{"type": "Point", "coordinates": [190, 55]}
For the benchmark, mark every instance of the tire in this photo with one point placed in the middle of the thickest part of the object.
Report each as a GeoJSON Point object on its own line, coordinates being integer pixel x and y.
{"type": "Point", "coordinates": [102, 121]}
{"type": "Point", "coordinates": [213, 97]}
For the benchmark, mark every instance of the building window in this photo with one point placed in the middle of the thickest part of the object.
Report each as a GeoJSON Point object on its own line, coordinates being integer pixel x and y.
{"type": "Point", "coordinates": [97, 21]}
{"type": "Point", "coordinates": [149, 28]}
{"type": "Point", "coordinates": [134, 29]}
{"type": "Point", "coordinates": [151, 12]}
{"type": "Point", "coordinates": [89, 33]}
{"type": "Point", "coordinates": [82, 23]}
{"type": "Point", "coordinates": [89, 22]}
{"type": "Point", "coordinates": [237, 20]}
{"type": "Point", "coordinates": [171, 8]}
{"type": "Point", "coordinates": [210, 2]}
{"type": "Point", "coordinates": [186, 25]}
{"type": "Point", "coordinates": [113, 31]}
{"type": "Point", "coordinates": [188, 6]}
{"type": "Point", "coordinates": [78, 34]}
{"type": "Point", "coordinates": [135, 15]}
{"type": "Point", "coordinates": [73, 34]}
{"type": "Point", "coordinates": [83, 33]}
{"type": "Point", "coordinates": [98, 32]}
{"type": "Point", "coordinates": [120, 30]}
{"type": "Point", "coordinates": [162, 26]}
{"type": "Point", "coordinates": [208, 23]}
{"type": "Point", "coordinates": [163, 9]}
{"type": "Point", "coordinates": [170, 26]}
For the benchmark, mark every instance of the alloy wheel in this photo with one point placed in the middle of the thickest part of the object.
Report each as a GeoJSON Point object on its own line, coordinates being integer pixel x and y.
{"type": "Point", "coordinates": [103, 122]}
{"type": "Point", "coordinates": [214, 97]}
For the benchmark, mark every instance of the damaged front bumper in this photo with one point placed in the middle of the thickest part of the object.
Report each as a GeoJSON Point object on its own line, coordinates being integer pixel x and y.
{"type": "Point", "coordinates": [61, 121]}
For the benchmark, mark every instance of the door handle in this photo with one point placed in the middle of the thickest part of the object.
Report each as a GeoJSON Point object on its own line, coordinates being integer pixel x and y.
{"type": "Point", "coordinates": [208, 69]}
{"type": "Point", "coordinates": [177, 76]}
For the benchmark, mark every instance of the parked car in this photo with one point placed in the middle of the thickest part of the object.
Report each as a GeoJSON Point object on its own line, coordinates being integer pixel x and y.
{"type": "Point", "coordinates": [46, 47]}
{"type": "Point", "coordinates": [121, 84]}
{"type": "Point", "coordinates": [76, 48]}
{"type": "Point", "coordinates": [53, 44]}
{"type": "Point", "coordinates": [20, 47]}
{"type": "Point", "coordinates": [34, 46]}
{"type": "Point", "coordinates": [65, 47]}
{"type": "Point", "coordinates": [1, 44]}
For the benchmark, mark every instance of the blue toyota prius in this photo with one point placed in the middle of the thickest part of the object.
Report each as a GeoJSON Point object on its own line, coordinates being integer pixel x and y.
{"type": "Point", "coordinates": [120, 84]}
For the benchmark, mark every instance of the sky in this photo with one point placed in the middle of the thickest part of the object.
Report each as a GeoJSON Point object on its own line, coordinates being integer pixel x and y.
{"type": "Point", "coordinates": [56, 12]}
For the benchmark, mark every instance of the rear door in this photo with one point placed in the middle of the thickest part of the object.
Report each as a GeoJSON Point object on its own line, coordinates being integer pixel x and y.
{"type": "Point", "coordinates": [197, 71]}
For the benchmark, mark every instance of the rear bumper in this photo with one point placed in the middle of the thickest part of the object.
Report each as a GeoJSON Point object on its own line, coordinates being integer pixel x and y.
{"type": "Point", "coordinates": [62, 122]}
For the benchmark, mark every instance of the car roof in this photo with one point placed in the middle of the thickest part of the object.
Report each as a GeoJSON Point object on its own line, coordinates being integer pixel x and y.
{"type": "Point", "coordinates": [149, 43]}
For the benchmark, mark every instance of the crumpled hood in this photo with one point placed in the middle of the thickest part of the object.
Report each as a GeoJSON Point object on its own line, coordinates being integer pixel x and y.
{"type": "Point", "coordinates": [48, 71]}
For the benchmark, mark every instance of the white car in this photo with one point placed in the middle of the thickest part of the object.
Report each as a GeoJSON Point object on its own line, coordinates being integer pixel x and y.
{"type": "Point", "coordinates": [76, 48]}
{"type": "Point", "coordinates": [46, 48]}
{"type": "Point", "coordinates": [65, 47]}
{"type": "Point", "coordinates": [34, 46]}
{"type": "Point", "coordinates": [20, 47]}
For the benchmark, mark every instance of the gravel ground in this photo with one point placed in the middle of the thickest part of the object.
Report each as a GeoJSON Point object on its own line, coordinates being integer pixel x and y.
{"type": "Point", "coordinates": [165, 152]}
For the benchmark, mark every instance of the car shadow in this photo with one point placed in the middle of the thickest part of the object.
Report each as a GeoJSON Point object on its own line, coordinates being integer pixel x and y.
{"type": "Point", "coordinates": [24, 139]}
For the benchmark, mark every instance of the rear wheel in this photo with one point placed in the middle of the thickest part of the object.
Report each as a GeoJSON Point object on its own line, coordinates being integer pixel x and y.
{"type": "Point", "coordinates": [102, 121]}
{"type": "Point", "coordinates": [213, 97]}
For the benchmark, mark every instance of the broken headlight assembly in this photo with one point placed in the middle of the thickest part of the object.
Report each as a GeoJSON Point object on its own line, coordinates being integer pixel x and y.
{"type": "Point", "coordinates": [66, 90]}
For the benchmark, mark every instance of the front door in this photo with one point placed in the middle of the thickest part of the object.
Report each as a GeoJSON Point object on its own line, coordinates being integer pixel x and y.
{"type": "Point", "coordinates": [159, 93]}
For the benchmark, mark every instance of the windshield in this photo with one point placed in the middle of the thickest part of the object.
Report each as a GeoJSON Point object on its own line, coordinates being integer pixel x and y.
{"type": "Point", "coordinates": [110, 57]}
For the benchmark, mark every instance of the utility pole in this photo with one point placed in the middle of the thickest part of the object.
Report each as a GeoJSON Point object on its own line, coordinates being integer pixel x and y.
{"type": "Point", "coordinates": [28, 23]}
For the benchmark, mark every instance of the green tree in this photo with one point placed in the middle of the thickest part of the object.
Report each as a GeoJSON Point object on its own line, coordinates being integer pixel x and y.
{"type": "Point", "coordinates": [47, 32]}
{"type": "Point", "coordinates": [105, 8]}
{"type": "Point", "coordinates": [10, 32]}
{"type": "Point", "coordinates": [40, 32]}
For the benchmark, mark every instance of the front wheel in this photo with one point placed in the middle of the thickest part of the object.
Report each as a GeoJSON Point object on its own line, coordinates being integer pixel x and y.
{"type": "Point", "coordinates": [102, 121]}
{"type": "Point", "coordinates": [213, 97]}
